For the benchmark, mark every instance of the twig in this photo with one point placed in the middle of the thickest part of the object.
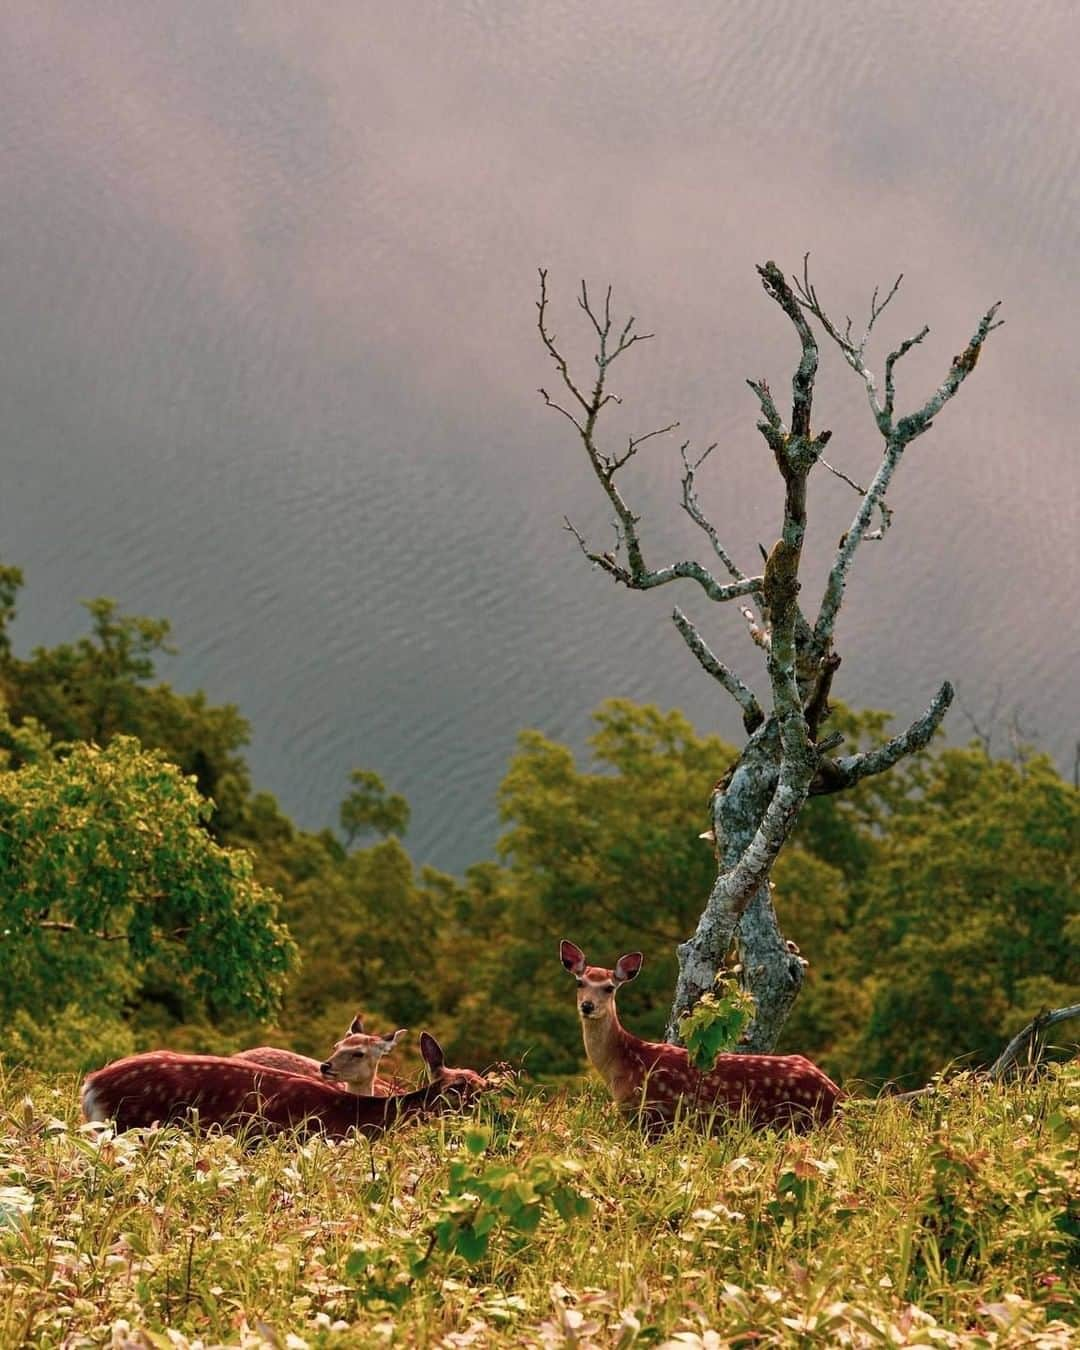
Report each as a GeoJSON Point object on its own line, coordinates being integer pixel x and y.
{"type": "Point", "coordinates": [886, 512]}
{"type": "Point", "coordinates": [64, 926]}
{"type": "Point", "coordinates": [694, 511]}
{"type": "Point", "coordinates": [897, 437]}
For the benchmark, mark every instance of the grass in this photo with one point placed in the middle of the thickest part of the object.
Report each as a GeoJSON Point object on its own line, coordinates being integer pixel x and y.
{"type": "Point", "coordinates": [951, 1220]}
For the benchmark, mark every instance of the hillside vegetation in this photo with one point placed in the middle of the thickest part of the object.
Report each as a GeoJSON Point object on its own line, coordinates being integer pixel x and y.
{"type": "Point", "coordinates": [143, 904]}
{"type": "Point", "coordinates": [950, 1220]}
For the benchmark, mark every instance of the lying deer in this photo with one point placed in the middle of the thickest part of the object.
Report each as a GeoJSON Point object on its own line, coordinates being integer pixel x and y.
{"type": "Point", "coordinates": [655, 1079]}
{"type": "Point", "coordinates": [162, 1086]}
{"type": "Point", "coordinates": [353, 1063]}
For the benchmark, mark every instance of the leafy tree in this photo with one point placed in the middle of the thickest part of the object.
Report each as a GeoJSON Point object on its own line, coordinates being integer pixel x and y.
{"type": "Point", "coordinates": [369, 807]}
{"type": "Point", "coordinates": [107, 873]}
{"type": "Point", "coordinates": [99, 687]}
{"type": "Point", "coordinates": [976, 902]}
{"type": "Point", "coordinates": [88, 690]}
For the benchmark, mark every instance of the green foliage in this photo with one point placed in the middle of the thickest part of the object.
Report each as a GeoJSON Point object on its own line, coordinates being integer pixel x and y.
{"type": "Point", "coordinates": [973, 897]}
{"type": "Point", "coordinates": [73, 1039]}
{"type": "Point", "coordinates": [11, 580]}
{"type": "Point", "coordinates": [370, 808]}
{"type": "Point", "coordinates": [715, 1022]}
{"type": "Point", "coordinates": [89, 689]}
{"type": "Point", "coordinates": [488, 1211]}
{"type": "Point", "coordinates": [486, 1201]}
{"type": "Point", "coordinates": [366, 924]}
{"type": "Point", "coordinates": [106, 870]}
{"type": "Point", "coordinates": [25, 743]}
{"type": "Point", "coordinates": [97, 687]}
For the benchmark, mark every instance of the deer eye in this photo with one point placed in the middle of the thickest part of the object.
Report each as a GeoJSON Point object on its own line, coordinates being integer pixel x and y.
{"type": "Point", "coordinates": [609, 988]}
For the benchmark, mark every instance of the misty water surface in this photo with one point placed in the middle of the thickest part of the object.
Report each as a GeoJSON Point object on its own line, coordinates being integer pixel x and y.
{"type": "Point", "coordinates": [268, 361]}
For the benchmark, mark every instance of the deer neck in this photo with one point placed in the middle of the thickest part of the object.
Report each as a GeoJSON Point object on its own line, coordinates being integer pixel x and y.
{"type": "Point", "coordinates": [607, 1044]}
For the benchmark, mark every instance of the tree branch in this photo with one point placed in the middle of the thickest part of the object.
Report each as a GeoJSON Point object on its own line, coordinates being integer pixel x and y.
{"type": "Point", "coordinates": [802, 383]}
{"type": "Point", "coordinates": [886, 512]}
{"type": "Point", "coordinates": [850, 769]}
{"type": "Point", "coordinates": [63, 926]}
{"type": "Point", "coordinates": [1028, 1044]}
{"type": "Point", "coordinates": [897, 438]}
{"type": "Point", "coordinates": [752, 714]}
{"type": "Point", "coordinates": [817, 706]}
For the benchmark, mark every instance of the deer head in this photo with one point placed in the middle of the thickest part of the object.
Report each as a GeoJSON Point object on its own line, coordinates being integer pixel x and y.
{"type": "Point", "coordinates": [354, 1060]}
{"type": "Point", "coordinates": [460, 1085]}
{"type": "Point", "coordinates": [597, 986]}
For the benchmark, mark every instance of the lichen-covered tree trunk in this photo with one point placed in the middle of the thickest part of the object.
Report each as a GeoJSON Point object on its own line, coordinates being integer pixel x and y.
{"type": "Point", "coordinates": [747, 928]}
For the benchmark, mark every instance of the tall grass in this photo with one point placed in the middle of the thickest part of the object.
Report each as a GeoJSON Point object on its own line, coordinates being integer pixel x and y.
{"type": "Point", "coordinates": [950, 1220]}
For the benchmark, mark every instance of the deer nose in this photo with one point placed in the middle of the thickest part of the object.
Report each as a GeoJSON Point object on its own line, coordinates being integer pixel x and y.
{"type": "Point", "coordinates": [326, 1070]}
{"type": "Point", "coordinates": [587, 1006]}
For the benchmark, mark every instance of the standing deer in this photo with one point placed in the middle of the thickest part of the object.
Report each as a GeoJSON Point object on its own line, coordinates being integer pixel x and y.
{"type": "Point", "coordinates": [162, 1086]}
{"type": "Point", "coordinates": [655, 1079]}
{"type": "Point", "coordinates": [353, 1063]}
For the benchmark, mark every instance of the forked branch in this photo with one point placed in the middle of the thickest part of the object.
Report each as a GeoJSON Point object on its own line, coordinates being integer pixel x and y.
{"type": "Point", "coordinates": [897, 434]}
{"type": "Point", "coordinates": [845, 772]}
{"type": "Point", "coordinates": [693, 509]}
{"type": "Point", "coordinates": [584, 411]}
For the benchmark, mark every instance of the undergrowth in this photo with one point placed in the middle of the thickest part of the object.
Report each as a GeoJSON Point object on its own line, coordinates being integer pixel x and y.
{"type": "Point", "coordinates": [950, 1220]}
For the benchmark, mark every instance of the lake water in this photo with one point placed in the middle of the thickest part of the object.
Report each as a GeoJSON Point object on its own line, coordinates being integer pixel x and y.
{"type": "Point", "coordinates": [268, 359]}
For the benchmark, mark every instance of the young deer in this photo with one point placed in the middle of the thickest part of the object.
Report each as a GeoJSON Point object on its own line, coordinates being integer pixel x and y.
{"type": "Point", "coordinates": [353, 1063]}
{"type": "Point", "coordinates": [655, 1078]}
{"type": "Point", "coordinates": [162, 1087]}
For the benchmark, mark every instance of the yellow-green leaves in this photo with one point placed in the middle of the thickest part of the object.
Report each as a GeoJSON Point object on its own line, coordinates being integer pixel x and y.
{"type": "Point", "coordinates": [715, 1023]}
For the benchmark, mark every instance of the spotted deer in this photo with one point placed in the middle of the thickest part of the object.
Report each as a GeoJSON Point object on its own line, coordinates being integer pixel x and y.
{"type": "Point", "coordinates": [162, 1087]}
{"type": "Point", "coordinates": [353, 1063]}
{"type": "Point", "coordinates": [657, 1079]}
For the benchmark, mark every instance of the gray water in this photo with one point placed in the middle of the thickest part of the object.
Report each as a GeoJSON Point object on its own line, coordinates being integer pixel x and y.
{"type": "Point", "coordinates": [268, 360]}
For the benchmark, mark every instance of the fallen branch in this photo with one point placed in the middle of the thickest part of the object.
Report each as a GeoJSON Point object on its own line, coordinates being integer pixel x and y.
{"type": "Point", "coordinates": [1026, 1048]}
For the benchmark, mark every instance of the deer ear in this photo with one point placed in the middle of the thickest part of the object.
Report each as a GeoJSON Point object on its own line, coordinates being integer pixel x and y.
{"type": "Point", "coordinates": [431, 1052]}
{"type": "Point", "coordinates": [626, 967]}
{"type": "Point", "coordinates": [356, 1027]}
{"type": "Point", "coordinates": [573, 958]}
{"type": "Point", "coordinates": [391, 1041]}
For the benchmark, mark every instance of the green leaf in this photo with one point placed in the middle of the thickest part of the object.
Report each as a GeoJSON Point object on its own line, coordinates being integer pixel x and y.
{"type": "Point", "coordinates": [715, 1023]}
{"type": "Point", "coordinates": [470, 1244]}
{"type": "Point", "coordinates": [477, 1141]}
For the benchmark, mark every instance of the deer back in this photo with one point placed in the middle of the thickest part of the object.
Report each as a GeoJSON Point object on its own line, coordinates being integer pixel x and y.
{"type": "Point", "coordinates": [288, 1061]}
{"type": "Point", "coordinates": [767, 1089]}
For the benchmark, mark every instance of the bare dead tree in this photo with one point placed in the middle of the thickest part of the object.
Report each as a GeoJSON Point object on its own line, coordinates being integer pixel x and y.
{"type": "Point", "coordinates": [786, 758]}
